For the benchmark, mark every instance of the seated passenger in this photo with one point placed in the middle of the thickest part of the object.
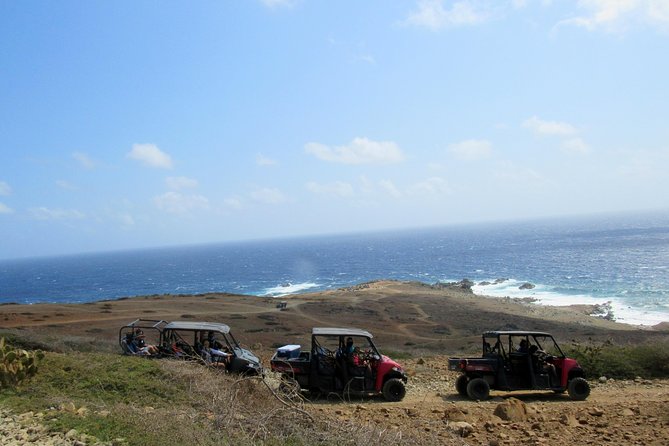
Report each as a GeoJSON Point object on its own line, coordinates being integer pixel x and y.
{"type": "Point", "coordinates": [128, 344]}
{"type": "Point", "coordinates": [523, 347]}
{"type": "Point", "coordinates": [140, 346]}
{"type": "Point", "coordinates": [213, 356]}
{"type": "Point", "coordinates": [213, 342]}
{"type": "Point", "coordinates": [539, 362]}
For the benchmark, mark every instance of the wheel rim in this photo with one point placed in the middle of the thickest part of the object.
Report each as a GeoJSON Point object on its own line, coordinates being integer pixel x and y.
{"type": "Point", "coordinates": [395, 390]}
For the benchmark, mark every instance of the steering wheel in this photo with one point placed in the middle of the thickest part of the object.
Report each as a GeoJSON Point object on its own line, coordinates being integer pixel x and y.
{"type": "Point", "coordinates": [543, 356]}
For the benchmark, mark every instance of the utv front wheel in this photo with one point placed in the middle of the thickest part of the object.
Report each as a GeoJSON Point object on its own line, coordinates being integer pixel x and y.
{"type": "Point", "coordinates": [578, 389]}
{"type": "Point", "coordinates": [394, 390]}
{"type": "Point", "coordinates": [461, 385]}
{"type": "Point", "coordinates": [478, 389]}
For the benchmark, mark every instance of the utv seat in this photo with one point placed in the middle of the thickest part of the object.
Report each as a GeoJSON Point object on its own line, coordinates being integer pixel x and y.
{"type": "Point", "coordinates": [520, 363]}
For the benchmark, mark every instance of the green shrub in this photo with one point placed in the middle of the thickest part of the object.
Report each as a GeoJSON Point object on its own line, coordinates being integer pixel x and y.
{"type": "Point", "coordinates": [622, 361]}
{"type": "Point", "coordinates": [16, 365]}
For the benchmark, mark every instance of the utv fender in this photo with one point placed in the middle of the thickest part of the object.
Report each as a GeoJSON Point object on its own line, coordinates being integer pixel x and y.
{"type": "Point", "coordinates": [395, 375]}
{"type": "Point", "coordinates": [576, 372]}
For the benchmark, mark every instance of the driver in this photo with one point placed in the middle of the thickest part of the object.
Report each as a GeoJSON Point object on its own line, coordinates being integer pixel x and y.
{"type": "Point", "coordinates": [539, 361]}
{"type": "Point", "coordinates": [349, 348]}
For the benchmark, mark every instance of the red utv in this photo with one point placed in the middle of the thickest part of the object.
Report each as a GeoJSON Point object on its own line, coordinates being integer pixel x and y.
{"type": "Point", "coordinates": [519, 360]}
{"type": "Point", "coordinates": [341, 360]}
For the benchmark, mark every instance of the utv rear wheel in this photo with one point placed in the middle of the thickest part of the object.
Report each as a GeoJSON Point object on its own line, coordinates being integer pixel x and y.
{"type": "Point", "coordinates": [461, 385]}
{"type": "Point", "coordinates": [394, 390]}
{"type": "Point", "coordinates": [578, 389]}
{"type": "Point", "coordinates": [478, 389]}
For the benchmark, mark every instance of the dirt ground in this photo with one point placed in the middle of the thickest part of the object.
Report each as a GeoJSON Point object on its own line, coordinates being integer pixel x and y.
{"type": "Point", "coordinates": [428, 323]}
{"type": "Point", "coordinates": [617, 412]}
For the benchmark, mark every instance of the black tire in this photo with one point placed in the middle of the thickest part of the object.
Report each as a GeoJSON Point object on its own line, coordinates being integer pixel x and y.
{"type": "Point", "coordinates": [461, 385]}
{"type": "Point", "coordinates": [394, 390]}
{"type": "Point", "coordinates": [478, 389]}
{"type": "Point", "coordinates": [578, 389]}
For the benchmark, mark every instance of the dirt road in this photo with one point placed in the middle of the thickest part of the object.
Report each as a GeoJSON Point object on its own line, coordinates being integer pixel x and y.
{"type": "Point", "coordinates": [617, 412]}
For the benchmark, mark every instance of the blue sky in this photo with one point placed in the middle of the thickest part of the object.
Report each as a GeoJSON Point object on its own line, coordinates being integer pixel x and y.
{"type": "Point", "coordinates": [135, 124]}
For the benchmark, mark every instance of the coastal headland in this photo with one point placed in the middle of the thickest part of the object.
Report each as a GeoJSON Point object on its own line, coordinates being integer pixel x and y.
{"type": "Point", "coordinates": [406, 316]}
{"type": "Point", "coordinates": [423, 324]}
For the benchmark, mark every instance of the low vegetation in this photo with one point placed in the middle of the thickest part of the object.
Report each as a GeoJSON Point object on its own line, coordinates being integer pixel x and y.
{"type": "Point", "coordinates": [16, 364]}
{"type": "Point", "coordinates": [136, 401]}
{"type": "Point", "coordinates": [622, 361]}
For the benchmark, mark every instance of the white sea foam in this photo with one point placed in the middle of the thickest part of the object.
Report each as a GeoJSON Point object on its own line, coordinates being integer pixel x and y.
{"type": "Point", "coordinates": [544, 295]}
{"type": "Point", "coordinates": [287, 288]}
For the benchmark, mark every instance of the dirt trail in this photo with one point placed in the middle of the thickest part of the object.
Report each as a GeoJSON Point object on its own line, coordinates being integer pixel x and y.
{"type": "Point", "coordinates": [617, 412]}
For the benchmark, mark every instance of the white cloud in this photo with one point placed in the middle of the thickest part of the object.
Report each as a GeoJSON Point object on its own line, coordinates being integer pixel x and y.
{"type": "Point", "coordinates": [366, 185]}
{"type": "Point", "coordinates": [390, 188]}
{"type": "Point", "coordinates": [5, 189]}
{"type": "Point", "coordinates": [433, 15]}
{"type": "Point", "coordinates": [126, 220]}
{"type": "Point", "coordinates": [150, 155]}
{"type": "Point", "coordinates": [619, 15]}
{"type": "Point", "coordinates": [44, 213]}
{"type": "Point", "coordinates": [337, 189]}
{"type": "Point", "coordinates": [471, 149]}
{"type": "Point", "coordinates": [84, 160]}
{"type": "Point", "coordinates": [268, 196]}
{"type": "Point", "coordinates": [4, 209]}
{"type": "Point", "coordinates": [549, 127]}
{"type": "Point", "coordinates": [642, 164]}
{"type": "Point", "coordinates": [571, 142]}
{"type": "Point", "coordinates": [273, 4]}
{"type": "Point", "coordinates": [509, 172]}
{"type": "Point", "coordinates": [233, 202]}
{"type": "Point", "coordinates": [658, 11]}
{"type": "Point", "coordinates": [367, 58]}
{"type": "Point", "coordinates": [432, 186]}
{"type": "Point", "coordinates": [178, 203]}
{"type": "Point", "coordinates": [262, 160]}
{"type": "Point", "coordinates": [575, 145]}
{"type": "Point", "coordinates": [359, 151]}
{"type": "Point", "coordinates": [65, 185]}
{"type": "Point", "coordinates": [180, 183]}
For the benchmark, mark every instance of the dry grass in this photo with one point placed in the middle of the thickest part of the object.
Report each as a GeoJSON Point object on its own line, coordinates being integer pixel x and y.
{"type": "Point", "coordinates": [249, 410]}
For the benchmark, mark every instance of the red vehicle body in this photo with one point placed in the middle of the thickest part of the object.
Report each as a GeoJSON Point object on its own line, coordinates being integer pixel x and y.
{"type": "Point", "coordinates": [519, 360]}
{"type": "Point", "coordinates": [329, 367]}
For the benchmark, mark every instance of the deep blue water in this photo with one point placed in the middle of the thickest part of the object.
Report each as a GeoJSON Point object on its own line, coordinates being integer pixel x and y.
{"type": "Point", "coordinates": [621, 259]}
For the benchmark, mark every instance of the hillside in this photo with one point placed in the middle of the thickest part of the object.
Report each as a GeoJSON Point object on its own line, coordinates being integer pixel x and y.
{"type": "Point", "coordinates": [403, 316]}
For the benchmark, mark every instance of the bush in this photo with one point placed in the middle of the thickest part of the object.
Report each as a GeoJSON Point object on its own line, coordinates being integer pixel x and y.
{"type": "Point", "coordinates": [16, 365]}
{"type": "Point", "coordinates": [622, 361]}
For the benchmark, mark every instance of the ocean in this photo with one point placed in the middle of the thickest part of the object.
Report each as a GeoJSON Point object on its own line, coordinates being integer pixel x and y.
{"type": "Point", "coordinates": [618, 260]}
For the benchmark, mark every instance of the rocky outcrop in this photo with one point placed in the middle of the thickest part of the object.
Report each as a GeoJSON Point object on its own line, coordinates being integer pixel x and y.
{"type": "Point", "coordinates": [512, 410]}
{"type": "Point", "coordinates": [463, 285]}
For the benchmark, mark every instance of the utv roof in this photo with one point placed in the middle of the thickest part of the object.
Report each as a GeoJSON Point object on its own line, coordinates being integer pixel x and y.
{"type": "Point", "coordinates": [516, 333]}
{"type": "Point", "coordinates": [197, 326]}
{"type": "Point", "coordinates": [147, 323]}
{"type": "Point", "coordinates": [324, 331]}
